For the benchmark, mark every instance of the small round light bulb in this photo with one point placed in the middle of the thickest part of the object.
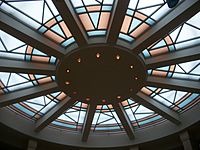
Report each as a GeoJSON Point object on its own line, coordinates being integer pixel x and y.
{"type": "Point", "coordinates": [117, 57]}
{"type": "Point", "coordinates": [103, 100]}
{"type": "Point", "coordinates": [79, 60]}
{"type": "Point", "coordinates": [68, 71]}
{"type": "Point", "coordinates": [88, 99]}
{"type": "Point", "coordinates": [118, 96]}
{"type": "Point", "coordinates": [67, 83]}
{"type": "Point", "coordinates": [98, 55]}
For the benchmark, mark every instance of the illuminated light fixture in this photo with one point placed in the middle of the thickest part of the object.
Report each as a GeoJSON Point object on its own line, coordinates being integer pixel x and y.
{"type": "Point", "coordinates": [117, 57]}
{"type": "Point", "coordinates": [172, 3]}
{"type": "Point", "coordinates": [67, 70]}
{"type": "Point", "coordinates": [103, 100]}
{"type": "Point", "coordinates": [136, 78]}
{"type": "Point", "coordinates": [98, 55]}
{"type": "Point", "coordinates": [67, 83]}
{"type": "Point", "coordinates": [131, 66]}
{"type": "Point", "coordinates": [88, 99]}
{"type": "Point", "coordinates": [118, 96]}
{"type": "Point", "coordinates": [79, 60]}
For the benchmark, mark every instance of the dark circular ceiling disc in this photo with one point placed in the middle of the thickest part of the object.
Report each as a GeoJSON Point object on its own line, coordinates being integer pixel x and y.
{"type": "Point", "coordinates": [101, 74]}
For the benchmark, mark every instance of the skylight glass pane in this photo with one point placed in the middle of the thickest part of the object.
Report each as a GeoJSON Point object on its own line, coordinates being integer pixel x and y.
{"type": "Point", "coordinates": [94, 15]}
{"type": "Point", "coordinates": [72, 118]}
{"type": "Point", "coordinates": [140, 16]}
{"type": "Point", "coordinates": [139, 115]}
{"type": "Point", "coordinates": [106, 119]}
{"type": "Point", "coordinates": [42, 16]}
{"type": "Point", "coordinates": [177, 100]}
{"type": "Point", "coordinates": [186, 35]}
{"type": "Point", "coordinates": [12, 48]}
{"type": "Point", "coordinates": [15, 81]}
{"type": "Point", "coordinates": [36, 108]}
{"type": "Point", "coordinates": [188, 70]}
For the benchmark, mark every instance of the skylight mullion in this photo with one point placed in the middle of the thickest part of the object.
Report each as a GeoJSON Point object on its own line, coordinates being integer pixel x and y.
{"type": "Point", "coordinates": [71, 118]}
{"type": "Point", "coordinates": [39, 111]}
{"type": "Point", "coordinates": [192, 26]}
{"type": "Point", "coordinates": [29, 36]}
{"type": "Point", "coordinates": [96, 123]}
{"type": "Point", "coordinates": [65, 9]}
{"type": "Point", "coordinates": [134, 112]}
{"type": "Point", "coordinates": [54, 113]}
{"type": "Point", "coordinates": [172, 20]}
{"type": "Point", "coordinates": [180, 56]}
{"type": "Point", "coordinates": [3, 44]}
{"type": "Point", "coordinates": [166, 99]}
{"type": "Point", "coordinates": [78, 120]}
{"type": "Point", "coordinates": [88, 121]}
{"type": "Point", "coordinates": [134, 11]}
{"type": "Point", "coordinates": [182, 68]}
{"type": "Point", "coordinates": [193, 69]}
{"type": "Point", "coordinates": [8, 79]}
{"type": "Point", "coordinates": [174, 84]}
{"type": "Point", "coordinates": [90, 16]}
{"type": "Point", "coordinates": [18, 66]}
{"type": "Point", "coordinates": [195, 38]}
{"type": "Point", "coordinates": [116, 20]}
{"type": "Point", "coordinates": [115, 118]}
{"type": "Point", "coordinates": [101, 122]}
{"type": "Point", "coordinates": [157, 107]}
{"type": "Point", "coordinates": [28, 93]}
{"type": "Point", "coordinates": [100, 13]}
{"type": "Point", "coordinates": [128, 127]}
{"type": "Point", "coordinates": [179, 32]}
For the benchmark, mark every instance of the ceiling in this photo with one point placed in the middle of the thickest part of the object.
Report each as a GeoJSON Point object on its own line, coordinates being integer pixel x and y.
{"type": "Point", "coordinates": [99, 68]}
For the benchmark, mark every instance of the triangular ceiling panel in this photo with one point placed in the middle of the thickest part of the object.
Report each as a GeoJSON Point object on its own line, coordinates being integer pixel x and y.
{"type": "Point", "coordinates": [33, 9]}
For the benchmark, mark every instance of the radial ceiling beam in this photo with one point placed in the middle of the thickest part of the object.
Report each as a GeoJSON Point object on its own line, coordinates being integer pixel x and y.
{"type": "Point", "coordinates": [117, 18]}
{"type": "Point", "coordinates": [124, 119]}
{"type": "Point", "coordinates": [19, 66]}
{"type": "Point", "coordinates": [88, 121]}
{"type": "Point", "coordinates": [173, 19]}
{"type": "Point", "coordinates": [29, 36]}
{"type": "Point", "coordinates": [174, 84]}
{"type": "Point", "coordinates": [28, 93]}
{"type": "Point", "coordinates": [157, 107]}
{"type": "Point", "coordinates": [172, 58]}
{"type": "Point", "coordinates": [54, 113]}
{"type": "Point", "coordinates": [66, 11]}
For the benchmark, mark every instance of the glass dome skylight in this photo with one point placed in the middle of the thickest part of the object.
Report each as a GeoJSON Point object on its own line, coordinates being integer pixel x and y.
{"type": "Point", "coordinates": [32, 50]}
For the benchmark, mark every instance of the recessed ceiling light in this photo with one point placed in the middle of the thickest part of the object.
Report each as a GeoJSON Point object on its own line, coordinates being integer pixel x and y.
{"type": "Point", "coordinates": [87, 99]}
{"type": "Point", "coordinates": [136, 78]}
{"type": "Point", "coordinates": [131, 66]}
{"type": "Point", "coordinates": [67, 83]}
{"type": "Point", "coordinates": [67, 70]}
{"type": "Point", "coordinates": [118, 96]}
{"type": "Point", "coordinates": [117, 57]}
{"type": "Point", "coordinates": [103, 100]}
{"type": "Point", "coordinates": [79, 60]}
{"type": "Point", "coordinates": [98, 55]}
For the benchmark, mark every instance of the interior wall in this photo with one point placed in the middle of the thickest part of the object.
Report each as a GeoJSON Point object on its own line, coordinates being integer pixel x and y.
{"type": "Point", "coordinates": [13, 140]}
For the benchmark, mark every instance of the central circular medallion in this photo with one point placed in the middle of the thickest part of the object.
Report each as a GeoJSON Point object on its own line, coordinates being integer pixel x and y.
{"type": "Point", "coordinates": [101, 74]}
